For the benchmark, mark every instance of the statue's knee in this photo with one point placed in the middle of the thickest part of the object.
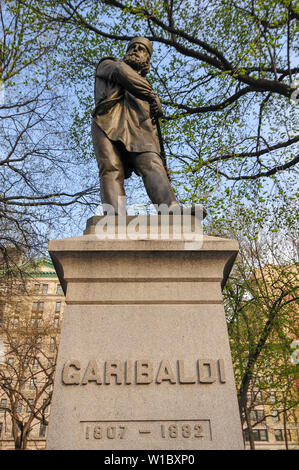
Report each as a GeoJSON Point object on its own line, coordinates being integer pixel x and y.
{"type": "Point", "coordinates": [112, 174]}
{"type": "Point", "coordinates": [147, 165]}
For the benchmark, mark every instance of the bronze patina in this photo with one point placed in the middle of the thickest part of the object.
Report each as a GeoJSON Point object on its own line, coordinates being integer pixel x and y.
{"type": "Point", "coordinates": [124, 128]}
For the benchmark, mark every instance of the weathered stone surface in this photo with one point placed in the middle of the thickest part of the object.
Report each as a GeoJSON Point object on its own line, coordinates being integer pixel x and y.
{"type": "Point", "coordinates": [144, 359]}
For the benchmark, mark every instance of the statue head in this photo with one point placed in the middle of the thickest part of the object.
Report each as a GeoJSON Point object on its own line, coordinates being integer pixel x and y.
{"type": "Point", "coordinates": [138, 54]}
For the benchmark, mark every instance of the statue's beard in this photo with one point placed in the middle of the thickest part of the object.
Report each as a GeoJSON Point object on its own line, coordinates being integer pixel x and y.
{"type": "Point", "coordinates": [141, 66]}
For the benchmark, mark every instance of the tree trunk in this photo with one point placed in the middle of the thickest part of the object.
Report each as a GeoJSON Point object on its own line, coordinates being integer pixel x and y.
{"type": "Point", "coordinates": [250, 433]}
{"type": "Point", "coordinates": [285, 430]}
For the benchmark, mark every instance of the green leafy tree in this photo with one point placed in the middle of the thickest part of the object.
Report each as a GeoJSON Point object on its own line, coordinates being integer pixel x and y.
{"type": "Point", "coordinates": [261, 300]}
{"type": "Point", "coordinates": [226, 74]}
{"type": "Point", "coordinates": [225, 71]}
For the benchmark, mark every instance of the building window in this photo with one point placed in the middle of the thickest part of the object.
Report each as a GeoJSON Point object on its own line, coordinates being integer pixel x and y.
{"type": "Point", "coordinates": [52, 344]}
{"type": "Point", "coordinates": [275, 416]}
{"type": "Point", "coordinates": [38, 343]}
{"type": "Point", "coordinates": [3, 405]}
{"type": "Point", "coordinates": [262, 434]}
{"type": "Point", "coordinates": [258, 434]}
{"type": "Point", "coordinates": [278, 434]}
{"type": "Point", "coordinates": [269, 378]}
{"type": "Point", "coordinates": [35, 363]}
{"type": "Point", "coordinates": [32, 385]}
{"type": "Point", "coordinates": [46, 405]}
{"type": "Point", "coordinates": [56, 322]}
{"type": "Point", "coordinates": [26, 361]}
{"type": "Point", "coordinates": [1, 428]}
{"type": "Point", "coordinates": [36, 322]}
{"type": "Point", "coordinates": [19, 407]}
{"type": "Point", "coordinates": [15, 323]}
{"type": "Point", "coordinates": [45, 288]}
{"type": "Point", "coordinates": [59, 289]}
{"type": "Point", "coordinates": [18, 306]}
{"type": "Point", "coordinates": [258, 397]}
{"type": "Point", "coordinates": [29, 405]}
{"type": "Point", "coordinates": [36, 288]}
{"type": "Point", "coordinates": [58, 307]}
{"type": "Point", "coordinates": [22, 383]}
{"type": "Point", "coordinates": [42, 430]}
{"type": "Point", "coordinates": [48, 385]}
{"type": "Point", "coordinates": [21, 289]}
{"type": "Point", "coordinates": [257, 415]}
{"type": "Point", "coordinates": [272, 397]}
{"type": "Point", "coordinates": [38, 307]}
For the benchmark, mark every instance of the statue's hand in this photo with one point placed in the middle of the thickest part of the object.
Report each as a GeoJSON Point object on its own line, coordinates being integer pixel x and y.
{"type": "Point", "coordinates": [155, 108]}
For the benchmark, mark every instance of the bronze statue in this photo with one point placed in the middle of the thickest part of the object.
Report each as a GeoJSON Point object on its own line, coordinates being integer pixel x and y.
{"type": "Point", "coordinates": [123, 128]}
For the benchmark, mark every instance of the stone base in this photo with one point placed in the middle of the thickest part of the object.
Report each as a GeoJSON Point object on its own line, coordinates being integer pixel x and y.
{"type": "Point", "coordinates": [144, 359]}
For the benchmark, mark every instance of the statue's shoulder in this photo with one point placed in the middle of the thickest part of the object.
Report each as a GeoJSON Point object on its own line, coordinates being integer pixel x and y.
{"type": "Point", "coordinates": [106, 58]}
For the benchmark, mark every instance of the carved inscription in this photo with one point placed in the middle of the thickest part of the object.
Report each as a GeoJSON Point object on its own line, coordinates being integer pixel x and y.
{"type": "Point", "coordinates": [103, 431]}
{"type": "Point", "coordinates": [143, 372]}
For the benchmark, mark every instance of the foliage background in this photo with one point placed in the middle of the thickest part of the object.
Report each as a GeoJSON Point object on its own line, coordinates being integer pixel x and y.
{"type": "Point", "coordinates": [226, 75]}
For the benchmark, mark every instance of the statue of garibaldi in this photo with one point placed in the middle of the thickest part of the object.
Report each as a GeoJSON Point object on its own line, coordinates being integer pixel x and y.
{"type": "Point", "coordinates": [124, 133]}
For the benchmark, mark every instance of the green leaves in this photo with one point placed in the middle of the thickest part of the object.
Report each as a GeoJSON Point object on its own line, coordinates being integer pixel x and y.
{"type": "Point", "coordinates": [221, 74]}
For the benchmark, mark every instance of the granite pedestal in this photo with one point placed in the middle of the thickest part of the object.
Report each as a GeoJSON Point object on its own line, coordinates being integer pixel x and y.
{"type": "Point", "coordinates": [144, 359]}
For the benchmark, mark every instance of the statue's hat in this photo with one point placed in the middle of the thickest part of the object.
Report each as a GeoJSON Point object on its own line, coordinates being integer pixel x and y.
{"type": "Point", "coordinates": [146, 42]}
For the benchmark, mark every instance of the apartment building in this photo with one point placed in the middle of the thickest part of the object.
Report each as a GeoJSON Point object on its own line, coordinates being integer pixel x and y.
{"type": "Point", "coordinates": [274, 396]}
{"type": "Point", "coordinates": [31, 310]}
{"type": "Point", "coordinates": [274, 427]}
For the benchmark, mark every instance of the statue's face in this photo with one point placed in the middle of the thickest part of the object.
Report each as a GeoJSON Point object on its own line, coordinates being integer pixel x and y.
{"type": "Point", "coordinates": [138, 50]}
{"type": "Point", "coordinates": [137, 56]}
